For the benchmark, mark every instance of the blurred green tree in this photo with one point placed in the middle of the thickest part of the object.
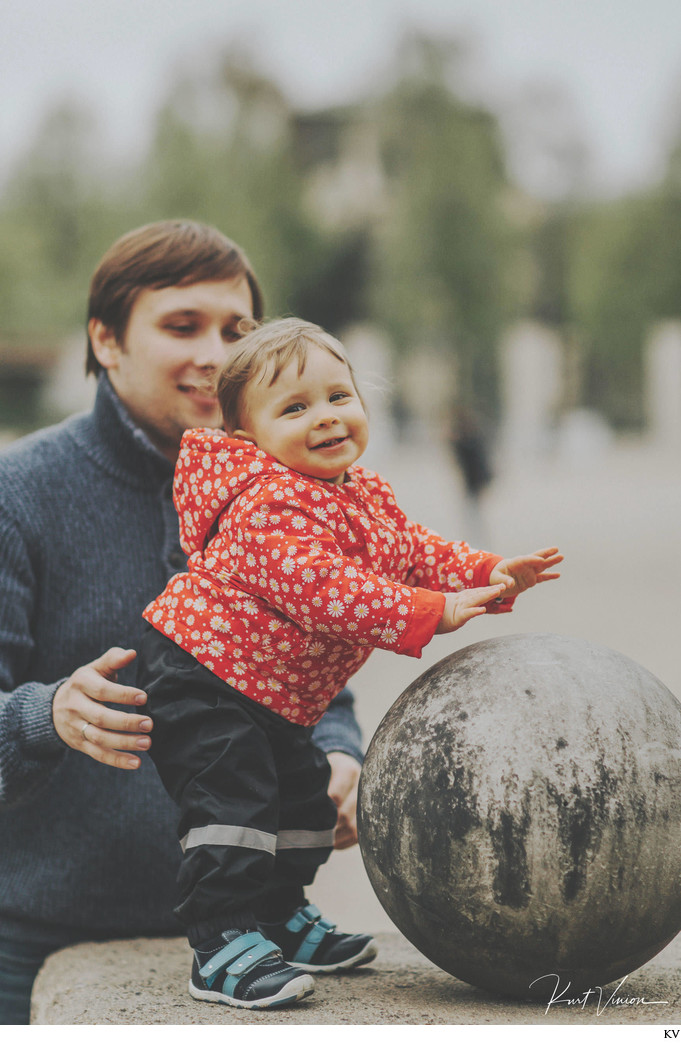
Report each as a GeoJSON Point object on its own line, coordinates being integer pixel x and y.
{"type": "Point", "coordinates": [444, 238]}
{"type": "Point", "coordinates": [223, 152]}
{"type": "Point", "coordinates": [54, 213]}
{"type": "Point", "coordinates": [398, 209]}
{"type": "Point", "coordinates": [611, 305]}
{"type": "Point", "coordinates": [625, 274]}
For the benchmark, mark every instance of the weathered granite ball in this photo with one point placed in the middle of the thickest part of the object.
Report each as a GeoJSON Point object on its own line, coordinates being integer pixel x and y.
{"type": "Point", "coordinates": [520, 815]}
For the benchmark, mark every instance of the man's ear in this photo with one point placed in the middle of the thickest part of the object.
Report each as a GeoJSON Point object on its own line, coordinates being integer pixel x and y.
{"type": "Point", "coordinates": [104, 344]}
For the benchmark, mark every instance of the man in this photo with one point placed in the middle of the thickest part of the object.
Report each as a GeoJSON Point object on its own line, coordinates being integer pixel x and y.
{"type": "Point", "coordinates": [88, 535]}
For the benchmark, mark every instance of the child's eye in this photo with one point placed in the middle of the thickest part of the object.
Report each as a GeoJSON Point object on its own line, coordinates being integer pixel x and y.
{"type": "Point", "coordinates": [295, 407]}
{"type": "Point", "coordinates": [338, 395]}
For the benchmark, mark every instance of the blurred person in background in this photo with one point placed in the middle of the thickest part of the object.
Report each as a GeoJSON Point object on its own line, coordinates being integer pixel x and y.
{"type": "Point", "coordinates": [88, 535]}
{"type": "Point", "coordinates": [468, 441]}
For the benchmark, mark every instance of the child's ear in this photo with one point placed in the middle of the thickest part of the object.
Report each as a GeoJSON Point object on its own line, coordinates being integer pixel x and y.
{"type": "Point", "coordinates": [243, 434]}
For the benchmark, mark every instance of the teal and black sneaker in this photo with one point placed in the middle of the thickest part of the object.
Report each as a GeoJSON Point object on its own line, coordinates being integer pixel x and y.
{"type": "Point", "coordinates": [243, 969]}
{"type": "Point", "coordinates": [311, 943]}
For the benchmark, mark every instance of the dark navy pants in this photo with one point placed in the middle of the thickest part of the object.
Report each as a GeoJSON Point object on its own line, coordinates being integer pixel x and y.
{"type": "Point", "coordinates": [250, 785]}
{"type": "Point", "coordinates": [19, 965]}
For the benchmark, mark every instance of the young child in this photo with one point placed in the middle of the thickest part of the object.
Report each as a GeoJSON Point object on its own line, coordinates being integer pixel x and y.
{"type": "Point", "coordinates": [300, 564]}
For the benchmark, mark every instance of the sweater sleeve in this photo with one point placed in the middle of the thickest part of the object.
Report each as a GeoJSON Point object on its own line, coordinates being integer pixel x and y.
{"type": "Point", "coordinates": [338, 730]}
{"type": "Point", "coordinates": [282, 552]}
{"type": "Point", "coordinates": [30, 748]}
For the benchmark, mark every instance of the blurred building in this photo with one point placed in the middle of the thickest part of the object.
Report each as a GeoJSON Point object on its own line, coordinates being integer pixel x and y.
{"type": "Point", "coordinates": [338, 152]}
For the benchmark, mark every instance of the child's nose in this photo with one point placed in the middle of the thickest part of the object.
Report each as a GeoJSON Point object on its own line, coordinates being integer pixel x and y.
{"type": "Point", "coordinates": [326, 420]}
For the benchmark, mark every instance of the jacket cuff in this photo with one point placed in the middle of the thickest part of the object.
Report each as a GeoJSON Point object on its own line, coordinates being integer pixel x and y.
{"type": "Point", "coordinates": [481, 579]}
{"type": "Point", "coordinates": [483, 570]}
{"type": "Point", "coordinates": [428, 608]}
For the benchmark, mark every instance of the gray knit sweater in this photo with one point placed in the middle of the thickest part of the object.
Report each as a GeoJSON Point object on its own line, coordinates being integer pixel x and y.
{"type": "Point", "coordinates": [88, 536]}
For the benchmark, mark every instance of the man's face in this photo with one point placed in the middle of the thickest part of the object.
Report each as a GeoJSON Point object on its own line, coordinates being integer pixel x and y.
{"type": "Point", "coordinates": [176, 339]}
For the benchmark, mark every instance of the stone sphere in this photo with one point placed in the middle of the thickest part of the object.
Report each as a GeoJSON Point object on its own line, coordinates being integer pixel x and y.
{"type": "Point", "coordinates": [520, 815]}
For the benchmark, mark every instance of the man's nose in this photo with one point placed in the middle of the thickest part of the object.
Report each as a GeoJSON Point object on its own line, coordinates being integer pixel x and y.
{"type": "Point", "coordinates": [209, 350]}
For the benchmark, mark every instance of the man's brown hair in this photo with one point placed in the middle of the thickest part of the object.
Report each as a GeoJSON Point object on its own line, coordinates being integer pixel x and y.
{"type": "Point", "coordinates": [166, 253]}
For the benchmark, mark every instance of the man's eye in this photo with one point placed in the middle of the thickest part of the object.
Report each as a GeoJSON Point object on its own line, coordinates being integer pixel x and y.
{"type": "Point", "coordinates": [181, 329]}
{"type": "Point", "coordinates": [230, 336]}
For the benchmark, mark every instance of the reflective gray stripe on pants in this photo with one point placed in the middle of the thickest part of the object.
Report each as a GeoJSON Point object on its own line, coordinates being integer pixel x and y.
{"type": "Point", "coordinates": [230, 836]}
{"type": "Point", "coordinates": [241, 836]}
{"type": "Point", "coordinates": [292, 838]}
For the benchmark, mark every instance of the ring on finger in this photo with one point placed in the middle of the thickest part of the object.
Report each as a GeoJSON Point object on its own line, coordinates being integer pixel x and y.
{"type": "Point", "coordinates": [86, 724]}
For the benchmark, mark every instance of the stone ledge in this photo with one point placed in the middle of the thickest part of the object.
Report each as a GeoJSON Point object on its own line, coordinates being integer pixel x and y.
{"type": "Point", "coordinates": [144, 982]}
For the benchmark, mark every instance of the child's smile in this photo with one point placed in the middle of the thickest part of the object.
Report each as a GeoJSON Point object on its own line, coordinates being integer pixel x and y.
{"type": "Point", "coordinates": [330, 443]}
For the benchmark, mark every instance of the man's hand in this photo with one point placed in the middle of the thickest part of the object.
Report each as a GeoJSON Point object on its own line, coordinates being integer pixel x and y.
{"type": "Point", "coordinates": [467, 604]}
{"type": "Point", "coordinates": [521, 573]}
{"type": "Point", "coordinates": [343, 791]}
{"type": "Point", "coordinates": [84, 724]}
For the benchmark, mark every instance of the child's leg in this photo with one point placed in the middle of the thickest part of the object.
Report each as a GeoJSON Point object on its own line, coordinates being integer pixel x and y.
{"type": "Point", "coordinates": [217, 766]}
{"type": "Point", "coordinates": [303, 844]}
{"type": "Point", "coordinates": [216, 763]}
{"type": "Point", "coordinates": [307, 815]}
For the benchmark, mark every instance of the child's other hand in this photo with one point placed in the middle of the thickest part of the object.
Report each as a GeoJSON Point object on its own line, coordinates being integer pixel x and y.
{"type": "Point", "coordinates": [467, 604]}
{"type": "Point", "coordinates": [518, 574]}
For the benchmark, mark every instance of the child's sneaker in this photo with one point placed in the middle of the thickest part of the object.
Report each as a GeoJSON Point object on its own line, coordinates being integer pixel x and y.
{"type": "Point", "coordinates": [310, 942]}
{"type": "Point", "coordinates": [243, 969]}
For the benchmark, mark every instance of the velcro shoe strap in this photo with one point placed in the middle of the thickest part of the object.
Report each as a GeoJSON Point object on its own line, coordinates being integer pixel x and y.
{"type": "Point", "coordinates": [312, 940]}
{"type": "Point", "coordinates": [252, 957]}
{"type": "Point", "coordinates": [303, 918]}
{"type": "Point", "coordinates": [232, 951]}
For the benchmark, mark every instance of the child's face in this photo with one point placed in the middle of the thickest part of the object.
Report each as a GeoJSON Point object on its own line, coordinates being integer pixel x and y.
{"type": "Point", "coordinates": [313, 423]}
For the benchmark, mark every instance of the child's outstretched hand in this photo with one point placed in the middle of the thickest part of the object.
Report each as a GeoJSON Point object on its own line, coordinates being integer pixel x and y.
{"type": "Point", "coordinates": [520, 573]}
{"type": "Point", "coordinates": [467, 604]}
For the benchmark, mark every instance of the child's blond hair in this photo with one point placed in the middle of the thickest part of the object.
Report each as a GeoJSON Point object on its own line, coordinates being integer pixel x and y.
{"type": "Point", "coordinates": [264, 352]}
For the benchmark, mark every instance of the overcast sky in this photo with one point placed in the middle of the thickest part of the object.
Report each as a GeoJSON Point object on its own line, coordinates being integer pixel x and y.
{"type": "Point", "coordinates": [619, 60]}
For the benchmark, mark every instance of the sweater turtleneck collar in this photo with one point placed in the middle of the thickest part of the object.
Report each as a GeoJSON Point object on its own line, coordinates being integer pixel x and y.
{"type": "Point", "coordinates": [117, 443]}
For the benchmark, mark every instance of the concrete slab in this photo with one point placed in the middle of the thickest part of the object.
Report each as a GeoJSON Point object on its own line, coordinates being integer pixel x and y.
{"type": "Point", "coordinates": [144, 982]}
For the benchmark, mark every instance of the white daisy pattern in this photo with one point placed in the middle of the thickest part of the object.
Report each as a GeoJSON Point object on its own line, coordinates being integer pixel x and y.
{"type": "Point", "coordinates": [291, 582]}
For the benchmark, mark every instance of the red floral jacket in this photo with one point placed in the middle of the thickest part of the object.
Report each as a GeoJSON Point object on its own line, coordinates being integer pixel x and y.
{"type": "Point", "coordinates": [292, 581]}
